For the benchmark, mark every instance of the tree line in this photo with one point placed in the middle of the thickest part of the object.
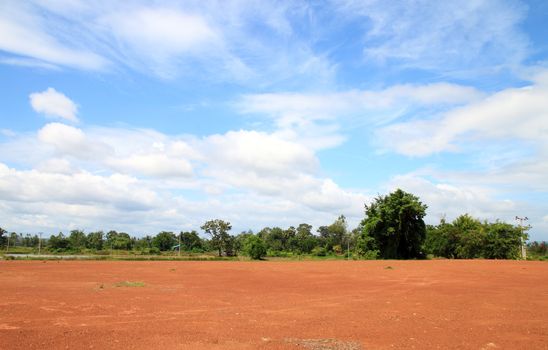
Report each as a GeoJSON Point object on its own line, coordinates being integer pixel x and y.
{"type": "Point", "coordinates": [393, 228]}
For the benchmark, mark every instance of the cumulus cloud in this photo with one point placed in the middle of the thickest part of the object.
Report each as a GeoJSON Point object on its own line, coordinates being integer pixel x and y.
{"type": "Point", "coordinates": [451, 199]}
{"type": "Point", "coordinates": [54, 104]}
{"type": "Point", "coordinates": [262, 153]}
{"type": "Point", "coordinates": [144, 170]}
{"type": "Point", "coordinates": [81, 188]}
{"type": "Point", "coordinates": [71, 141]}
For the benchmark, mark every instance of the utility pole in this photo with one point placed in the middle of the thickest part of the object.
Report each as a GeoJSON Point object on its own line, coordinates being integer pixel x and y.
{"type": "Point", "coordinates": [179, 243]}
{"type": "Point", "coordinates": [8, 246]}
{"type": "Point", "coordinates": [523, 250]}
{"type": "Point", "coordinates": [40, 243]}
{"type": "Point", "coordinates": [348, 248]}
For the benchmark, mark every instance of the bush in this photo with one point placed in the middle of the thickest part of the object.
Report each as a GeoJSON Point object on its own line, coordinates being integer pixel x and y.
{"type": "Point", "coordinates": [369, 255]}
{"type": "Point", "coordinates": [319, 251]}
{"type": "Point", "coordinates": [254, 247]}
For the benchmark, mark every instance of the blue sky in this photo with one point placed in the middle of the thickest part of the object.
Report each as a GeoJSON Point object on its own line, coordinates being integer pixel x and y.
{"type": "Point", "coordinates": [144, 116]}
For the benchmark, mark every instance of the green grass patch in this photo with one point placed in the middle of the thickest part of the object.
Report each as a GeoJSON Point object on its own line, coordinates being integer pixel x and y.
{"type": "Point", "coordinates": [130, 284]}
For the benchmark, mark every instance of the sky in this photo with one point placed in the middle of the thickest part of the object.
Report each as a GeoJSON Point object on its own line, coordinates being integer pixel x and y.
{"type": "Point", "coordinates": [143, 116]}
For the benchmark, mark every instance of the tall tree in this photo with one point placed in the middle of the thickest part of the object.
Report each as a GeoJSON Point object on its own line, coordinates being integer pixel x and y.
{"type": "Point", "coordinates": [77, 239]}
{"type": "Point", "coordinates": [306, 241]}
{"type": "Point", "coordinates": [164, 240]}
{"type": "Point", "coordinates": [119, 240]}
{"type": "Point", "coordinates": [3, 237]}
{"type": "Point", "coordinates": [220, 239]}
{"type": "Point", "coordinates": [396, 224]}
{"type": "Point", "coordinates": [190, 240]}
{"type": "Point", "coordinates": [59, 242]}
{"type": "Point", "coordinates": [95, 240]}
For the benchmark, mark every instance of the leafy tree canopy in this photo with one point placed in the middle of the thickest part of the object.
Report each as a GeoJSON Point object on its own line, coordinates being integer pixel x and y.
{"type": "Point", "coordinates": [396, 224]}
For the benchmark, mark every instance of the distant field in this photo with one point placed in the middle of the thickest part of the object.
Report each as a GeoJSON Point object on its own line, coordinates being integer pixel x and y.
{"type": "Point", "coordinates": [445, 304]}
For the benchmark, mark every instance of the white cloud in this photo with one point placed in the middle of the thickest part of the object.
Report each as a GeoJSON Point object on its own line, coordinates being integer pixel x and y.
{"type": "Point", "coordinates": [259, 152]}
{"type": "Point", "coordinates": [56, 166]}
{"type": "Point", "coordinates": [160, 37]}
{"type": "Point", "coordinates": [442, 35]}
{"type": "Point", "coordinates": [54, 104]}
{"type": "Point", "coordinates": [83, 171]}
{"type": "Point", "coordinates": [251, 42]}
{"type": "Point", "coordinates": [71, 141]}
{"type": "Point", "coordinates": [25, 33]}
{"type": "Point", "coordinates": [120, 191]}
{"type": "Point", "coordinates": [154, 165]}
{"type": "Point", "coordinates": [295, 108]}
{"type": "Point", "coordinates": [315, 119]}
{"type": "Point", "coordinates": [451, 200]}
{"type": "Point", "coordinates": [511, 113]}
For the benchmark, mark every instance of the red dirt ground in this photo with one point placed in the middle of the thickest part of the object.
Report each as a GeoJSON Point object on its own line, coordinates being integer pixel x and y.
{"type": "Point", "coordinates": [350, 305]}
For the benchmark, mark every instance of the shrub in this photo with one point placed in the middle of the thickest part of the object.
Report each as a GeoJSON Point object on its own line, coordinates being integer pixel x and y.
{"type": "Point", "coordinates": [254, 247]}
{"type": "Point", "coordinates": [319, 251]}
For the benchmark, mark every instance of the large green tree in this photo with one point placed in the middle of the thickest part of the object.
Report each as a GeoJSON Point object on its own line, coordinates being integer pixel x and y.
{"type": "Point", "coordinates": [333, 235]}
{"type": "Point", "coordinates": [306, 241]}
{"type": "Point", "coordinates": [59, 242]}
{"type": "Point", "coordinates": [3, 238]}
{"type": "Point", "coordinates": [164, 241]}
{"type": "Point", "coordinates": [95, 240]}
{"type": "Point", "coordinates": [220, 238]}
{"type": "Point", "coordinates": [77, 240]}
{"type": "Point", "coordinates": [190, 240]}
{"type": "Point", "coordinates": [119, 240]}
{"type": "Point", "coordinates": [396, 224]}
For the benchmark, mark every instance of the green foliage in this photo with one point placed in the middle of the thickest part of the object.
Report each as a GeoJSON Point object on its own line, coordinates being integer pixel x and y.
{"type": "Point", "coordinates": [95, 240]}
{"type": "Point", "coordinates": [190, 241]}
{"type": "Point", "coordinates": [319, 251]}
{"type": "Point", "coordinates": [29, 240]}
{"type": "Point", "coordinates": [59, 242]}
{"type": "Point", "coordinates": [143, 243]}
{"type": "Point", "coordinates": [164, 241]}
{"type": "Point", "coordinates": [537, 251]}
{"type": "Point", "coordinates": [220, 239]}
{"type": "Point", "coordinates": [366, 247]}
{"type": "Point", "coordinates": [333, 235]}
{"type": "Point", "coordinates": [468, 238]}
{"type": "Point", "coordinates": [503, 241]}
{"type": "Point", "coordinates": [396, 224]}
{"type": "Point", "coordinates": [77, 240]}
{"type": "Point", "coordinates": [305, 241]}
{"type": "Point", "coordinates": [254, 247]}
{"type": "Point", "coordinates": [3, 237]}
{"type": "Point", "coordinates": [119, 240]}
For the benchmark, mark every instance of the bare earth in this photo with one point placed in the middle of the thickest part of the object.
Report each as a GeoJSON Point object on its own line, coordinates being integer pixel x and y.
{"type": "Point", "coordinates": [274, 305]}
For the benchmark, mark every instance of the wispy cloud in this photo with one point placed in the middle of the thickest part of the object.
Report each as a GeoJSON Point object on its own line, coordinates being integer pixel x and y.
{"type": "Point", "coordinates": [242, 42]}
{"type": "Point", "coordinates": [451, 37]}
{"type": "Point", "coordinates": [25, 33]}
